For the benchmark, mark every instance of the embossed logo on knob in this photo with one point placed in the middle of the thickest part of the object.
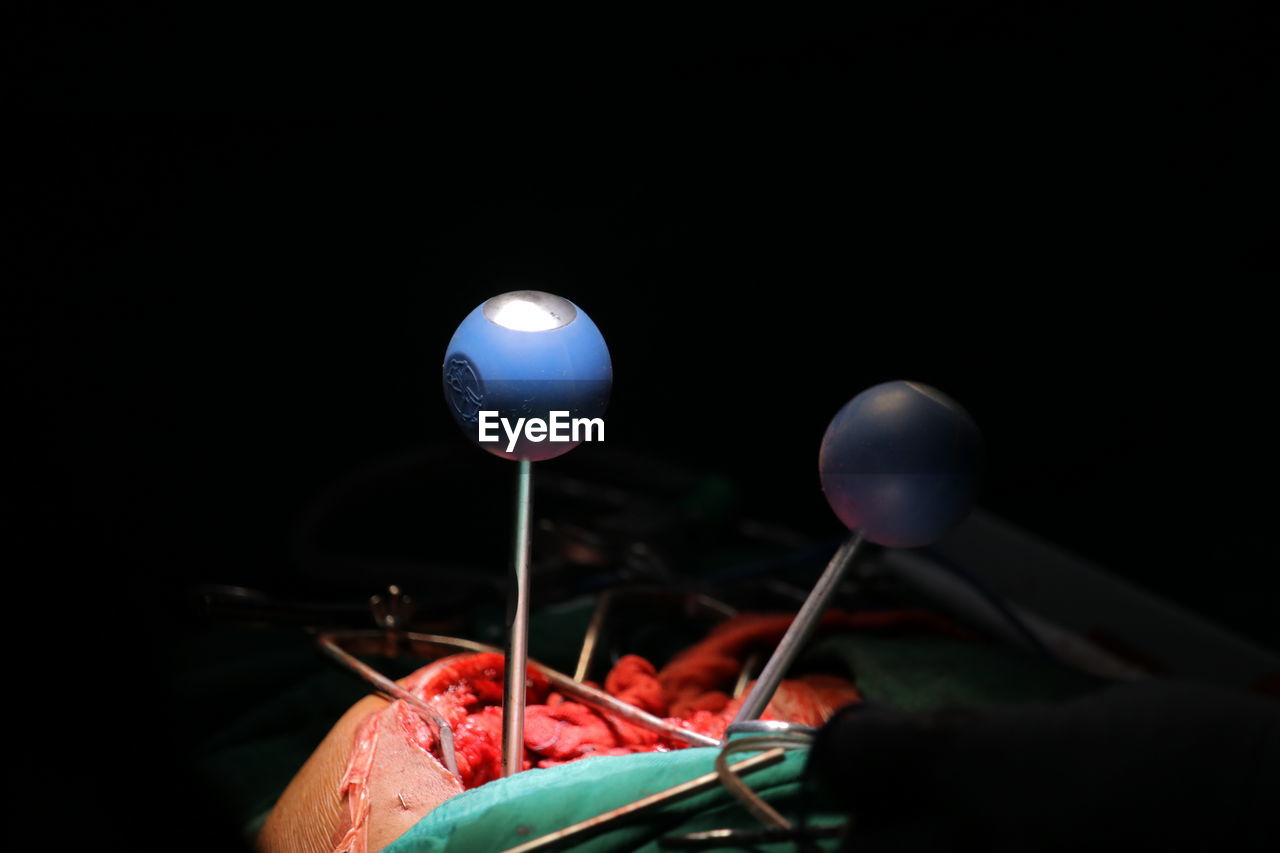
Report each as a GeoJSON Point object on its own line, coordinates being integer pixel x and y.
{"type": "Point", "coordinates": [466, 392]}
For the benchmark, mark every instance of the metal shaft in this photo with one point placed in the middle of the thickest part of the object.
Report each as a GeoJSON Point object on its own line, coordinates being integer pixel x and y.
{"type": "Point", "coordinates": [799, 632]}
{"type": "Point", "coordinates": [370, 642]}
{"type": "Point", "coordinates": [684, 789]}
{"type": "Point", "coordinates": [388, 688]}
{"type": "Point", "coordinates": [513, 693]}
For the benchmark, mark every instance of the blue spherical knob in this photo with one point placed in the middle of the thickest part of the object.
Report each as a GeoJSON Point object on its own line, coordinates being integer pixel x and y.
{"type": "Point", "coordinates": [527, 376]}
{"type": "Point", "coordinates": [900, 463]}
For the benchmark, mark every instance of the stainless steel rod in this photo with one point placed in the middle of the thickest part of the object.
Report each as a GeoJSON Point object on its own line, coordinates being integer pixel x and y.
{"type": "Point", "coordinates": [799, 632]}
{"type": "Point", "coordinates": [584, 693]}
{"type": "Point", "coordinates": [517, 654]}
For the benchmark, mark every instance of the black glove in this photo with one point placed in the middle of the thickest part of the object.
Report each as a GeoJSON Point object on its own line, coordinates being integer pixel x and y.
{"type": "Point", "coordinates": [1156, 765]}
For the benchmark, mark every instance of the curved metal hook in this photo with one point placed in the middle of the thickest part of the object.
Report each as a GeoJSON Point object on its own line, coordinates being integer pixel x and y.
{"type": "Point", "coordinates": [762, 811]}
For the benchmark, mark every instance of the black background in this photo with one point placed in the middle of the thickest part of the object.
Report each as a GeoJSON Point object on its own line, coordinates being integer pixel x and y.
{"type": "Point", "coordinates": [246, 239]}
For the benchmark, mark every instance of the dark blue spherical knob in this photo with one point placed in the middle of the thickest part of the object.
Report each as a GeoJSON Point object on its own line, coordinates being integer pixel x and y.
{"type": "Point", "coordinates": [900, 463]}
{"type": "Point", "coordinates": [527, 376]}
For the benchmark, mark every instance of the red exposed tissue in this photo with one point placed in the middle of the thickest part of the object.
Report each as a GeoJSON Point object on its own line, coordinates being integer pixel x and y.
{"type": "Point", "coordinates": [466, 690]}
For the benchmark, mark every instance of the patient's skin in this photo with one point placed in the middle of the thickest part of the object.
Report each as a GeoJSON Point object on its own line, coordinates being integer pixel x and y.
{"type": "Point", "coordinates": [405, 784]}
